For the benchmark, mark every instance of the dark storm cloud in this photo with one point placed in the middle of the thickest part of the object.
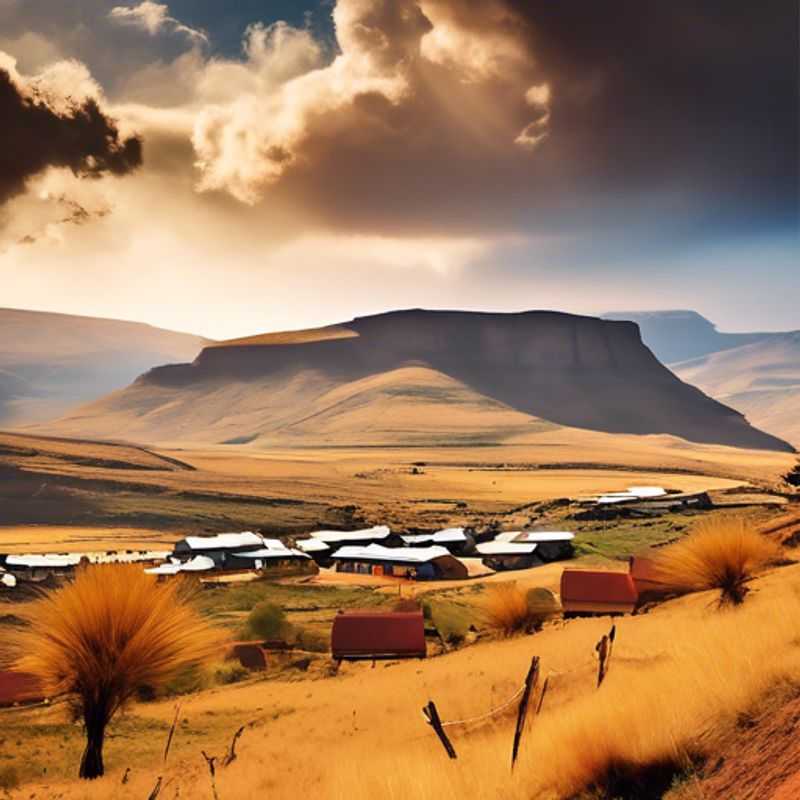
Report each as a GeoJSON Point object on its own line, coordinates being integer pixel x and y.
{"type": "Point", "coordinates": [676, 121]}
{"type": "Point", "coordinates": [697, 99]}
{"type": "Point", "coordinates": [34, 136]}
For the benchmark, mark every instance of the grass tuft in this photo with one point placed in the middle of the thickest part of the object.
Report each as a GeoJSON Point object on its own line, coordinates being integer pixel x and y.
{"type": "Point", "coordinates": [510, 610]}
{"type": "Point", "coordinates": [722, 553]}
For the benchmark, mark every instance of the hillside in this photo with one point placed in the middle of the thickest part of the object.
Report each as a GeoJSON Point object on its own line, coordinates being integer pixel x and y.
{"type": "Point", "coordinates": [50, 363]}
{"type": "Point", "coordinates": [762, 380]}
{"type": "Point", "coordinates": [416, 377]}
{"type": "Point", "coordinates": [680, 335]}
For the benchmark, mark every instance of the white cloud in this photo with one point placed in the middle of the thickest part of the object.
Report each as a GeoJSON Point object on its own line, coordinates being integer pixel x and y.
{"type": "Point", "coordinates": [154, 18]}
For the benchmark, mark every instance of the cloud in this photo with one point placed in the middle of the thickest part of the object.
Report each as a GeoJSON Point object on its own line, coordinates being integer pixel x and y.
{"type": "Point", "coordinates": [154, 18]}
{"type": "Point", "coordinates": [54, 119]}
{"type": "Point", "coordinates": [400, 70]}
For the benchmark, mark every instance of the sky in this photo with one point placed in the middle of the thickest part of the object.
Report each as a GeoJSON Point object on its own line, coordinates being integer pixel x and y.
{"type": "Point", "coordinates": [228, 168]}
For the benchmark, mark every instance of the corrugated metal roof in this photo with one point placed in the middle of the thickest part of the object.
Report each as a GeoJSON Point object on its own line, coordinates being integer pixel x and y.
{"type": "Point", "coordinates": [535, 536]}
{"type": "Point", "coordinates": [378, 634]}
{"type": "Point", "coordinates": [596, 590]}
{"type": "Point", "coordinates": [446, 536]}
{"type": "Point", "coordinates": [376, 552]}
{"type": "Point", "coordinates": [312, 545]}
{"type": "Point", "coordinates": [496, 548]}
{"type": "Point", "coordinates": [225, 541]}
{"type": "Point", "coordinates": [272, 552]}
{"type": "Point", "coordinates": [365, 534]}
{"type": "Point", "coordinates": [198, 564]}
{"type": "Point", "coordinates": [51, 560]}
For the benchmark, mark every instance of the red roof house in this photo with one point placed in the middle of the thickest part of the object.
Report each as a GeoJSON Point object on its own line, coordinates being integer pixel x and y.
{"type": "Point", "coordinates": [370, 634]}
{"type": "Point", "coordinates": [19, 687]}
{"type": "Point", "coordinates": [586, 591]}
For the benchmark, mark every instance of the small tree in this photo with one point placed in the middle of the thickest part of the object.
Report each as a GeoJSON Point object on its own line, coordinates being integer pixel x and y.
{"type": "Point", "coordinates": [722, 553]}
{"type": "Point", "coordinates": [101, 637]}
{"type": "Point", "coordinates": [268, 621]}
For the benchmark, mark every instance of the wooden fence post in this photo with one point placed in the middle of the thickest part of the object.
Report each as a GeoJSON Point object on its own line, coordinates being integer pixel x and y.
{"type": "Point", "coordinates": [530, 681]}
{"type": "Point", "coordinates": [604, 648]}
{"type": "Point", "coordinates": [432, 716]}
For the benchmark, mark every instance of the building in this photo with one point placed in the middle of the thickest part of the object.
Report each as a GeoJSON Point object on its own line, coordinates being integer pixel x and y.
{"type": "Point", "coordinates": [38, 567]}
{"type": "Point", "coordinates": [218, 548]}
{"type": "Point", "coordinates": [372, 635]}
{"type": "Point", "coordinates": [596, 592]}
{"type": "Point", "coordinates": [415, 563]}
{"type": "Point", "coordinates": [378, 534]}
{"type": "Point", "coordinates": [502, 555]}
{"type": "Point", "coordinates": [274, 553]}
{"type": "Point", "coordinates": [19, 687]}
{"type": "Point", "coordinates": [317, 549]}
{"type": "Point", "coordinates": [550, 545]}
{"type": "Point", "coordinates": [647, 579]}
{"type": "Point", "coordinates": [455, 540]}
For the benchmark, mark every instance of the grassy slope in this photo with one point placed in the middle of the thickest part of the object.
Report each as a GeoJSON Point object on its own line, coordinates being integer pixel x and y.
{"type": "Point", "coordinates": [678, 674]}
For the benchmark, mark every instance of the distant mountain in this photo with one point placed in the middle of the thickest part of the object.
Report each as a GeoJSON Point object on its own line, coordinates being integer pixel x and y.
{"type": "Point", "coordinates": [755, 373]}
{"type": "Point", "coordinates": [416, 377]}
{"type": "Point", "coordinates": [762, 380]}
{"type": "Point", "coordinates": [680, 335]}
{"type": "Point", "coordinates": [50, 363]}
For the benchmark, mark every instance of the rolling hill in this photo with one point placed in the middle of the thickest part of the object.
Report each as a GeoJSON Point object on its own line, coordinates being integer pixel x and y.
{"type": "Point", "coordinates": [762, 380]}
{"type": "Point", "coordinates": [414, 377]}
{"type": "Point", "coordinates": [50, 363]}
{"type": "Point", "coordinates": [755, 373]}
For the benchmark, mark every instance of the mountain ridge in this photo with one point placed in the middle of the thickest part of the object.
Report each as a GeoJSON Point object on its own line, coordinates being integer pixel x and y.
{"type": "Point", "coordinates": [551, 367]}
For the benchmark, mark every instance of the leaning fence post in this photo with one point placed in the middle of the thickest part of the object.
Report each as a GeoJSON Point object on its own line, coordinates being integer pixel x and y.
{"type": "Point", "coordinates": [432, 717]}
{"type": "Point", "coordinates": [604, 648]}
{"type": "Point", "coordinates": [530, 681]}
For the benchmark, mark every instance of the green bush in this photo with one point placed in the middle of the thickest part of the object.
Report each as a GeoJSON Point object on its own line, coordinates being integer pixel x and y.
{"type": "Point", "coordinates": [231, 672]}
{"type": "Point", "coordinates": [268, 621]}
{"type": "Point", "coordinates": [311, 640]}
{"type": "Point", "coordinates": [189, 680]}
{"type": "Point", "coordinates": [450, 620]}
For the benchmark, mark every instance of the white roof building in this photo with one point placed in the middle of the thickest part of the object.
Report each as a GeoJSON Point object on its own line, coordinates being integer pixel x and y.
{"type": "Point", "coordinates": [446, 536]}
{"type": "Point", "coordinates": [405, 555]}
{"type": "Point", "coordinates": [502, 548]}
{"type": "Point", "coordinates": [225, 541]}
{"type": "Point", "coordinates": [48, 560]}
{"type": "Point", "coordinates": [365, 534]}
{"type": "Point", "coordinates": [312, 545]}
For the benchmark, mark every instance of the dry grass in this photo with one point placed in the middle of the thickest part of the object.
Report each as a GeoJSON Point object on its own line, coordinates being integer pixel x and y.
{"type": "Point", "coordinates": [510, 609]}
{"type": "Point", "coordinates": [110, 632]}
{"type": "Point", "coordinates": [721, 553]}
{"type": "Point", "coordinates": [678, 675]}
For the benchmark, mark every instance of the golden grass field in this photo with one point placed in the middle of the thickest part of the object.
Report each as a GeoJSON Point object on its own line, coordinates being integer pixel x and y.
{"type": "Point", "coordinates": [680, 676]}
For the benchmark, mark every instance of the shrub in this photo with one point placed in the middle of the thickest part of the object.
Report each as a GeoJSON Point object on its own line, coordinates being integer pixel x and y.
{"type": "Point", "coordinates": [100, 638]}
{"type": "Point", "coordinates": [722, 553]}
{"type": "Point", "coordinates": [510, 609]}
{"type": "Point", "coordinates": [313, 641]}
{"type": "Point", "coordinates": [9, 777]}
{"type": "Point", "coordinates": [268, 621]}
{"type": "Point", "coordinates": [230, 673]}
{"type": "Point", "coordinates": [450, 620]}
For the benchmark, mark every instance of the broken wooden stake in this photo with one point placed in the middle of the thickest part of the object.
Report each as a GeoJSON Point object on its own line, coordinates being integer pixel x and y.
{"type": "Point", "coordinates": [172, 731]}
{"type": "Point", "coordinates": [604, 648]}
{"type": "Point", "coordinates": [531, 680]}
{"type": "Point", "coordinates": [432, 716]}
{"type": "Point", "coordinates": [230, 757]}
{"type": "Point", "coordinates": [156, 789]}
{"type": "Point", "coordinates": [541, 695]}
{"type": "Point", "coordinates": [210, 760]}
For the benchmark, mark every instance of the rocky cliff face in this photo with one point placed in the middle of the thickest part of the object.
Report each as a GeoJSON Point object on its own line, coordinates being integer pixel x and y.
{"type": "Point", "coordinates": [570, 370]}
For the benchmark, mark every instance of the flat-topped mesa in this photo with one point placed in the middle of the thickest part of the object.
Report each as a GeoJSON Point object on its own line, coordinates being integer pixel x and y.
{"type": "Point", "coordinates": [440, 339]}
{"type": "Point", "coordinates": [572, 370]}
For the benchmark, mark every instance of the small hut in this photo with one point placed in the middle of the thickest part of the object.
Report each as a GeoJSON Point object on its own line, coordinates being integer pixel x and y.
{"type": "Point", "coordinates": [218, 548]}
{"type": "Point", "coordinates": [378, 534]}
{"type": "Point", "coordinates": [372, 635]}
{"type": "Point", "coordinates": [596, 592]}
{"type": "Point", "coordinates": [416, 563]}
{"type": "Point", "coordinates": [456, 540]}
{"type": "Point", "coordinates": [647, 579]}
{"type": "Point", "coordinates": [501, 555]}
{"type": "Point", "coordinates": [19, 687]}
{"type": "Point", "coordinates": [550, 545]}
